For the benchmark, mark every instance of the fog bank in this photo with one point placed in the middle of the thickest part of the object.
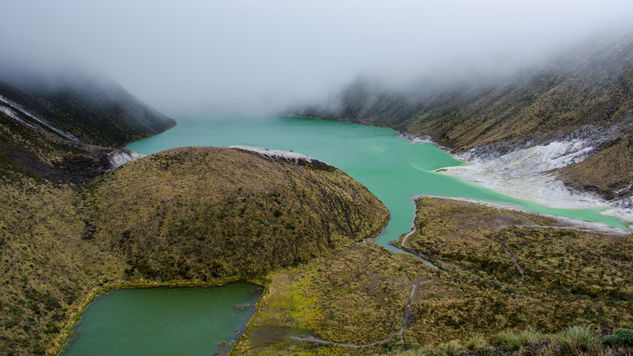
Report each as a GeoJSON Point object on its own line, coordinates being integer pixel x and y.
{"type": "Point", "coordinates": [251, 56]}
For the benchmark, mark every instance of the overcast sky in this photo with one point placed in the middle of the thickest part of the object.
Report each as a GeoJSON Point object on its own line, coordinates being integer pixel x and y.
{"type": "Point", "coordinates": [190, 56]}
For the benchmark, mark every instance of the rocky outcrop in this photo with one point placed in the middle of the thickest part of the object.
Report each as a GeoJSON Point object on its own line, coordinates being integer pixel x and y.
{"type": "Point", "coordinates": [287, 156]}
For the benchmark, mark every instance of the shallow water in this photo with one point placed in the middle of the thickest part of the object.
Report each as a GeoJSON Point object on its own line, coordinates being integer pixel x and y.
{"type": "Point", "coordinates": [165, 321]}
{"type": "Point", "coordinates": [392, 168]}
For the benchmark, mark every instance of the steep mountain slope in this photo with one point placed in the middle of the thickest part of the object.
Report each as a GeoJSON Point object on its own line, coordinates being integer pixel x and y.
{"type": "Point", "coordinates": [609, 172]}
{"type": "Point", "coordinates": [69, 132]}
{"type": "Point", "coordinates": [194, 216]}
{"type": "Point", "coordinates": [579, 96]}
{"type": "Point", "coordinates": [96, 111]}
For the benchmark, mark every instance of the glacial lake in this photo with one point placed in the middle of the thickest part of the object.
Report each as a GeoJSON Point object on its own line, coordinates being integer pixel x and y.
{"type": "Point", "coordinates": [193, 321]}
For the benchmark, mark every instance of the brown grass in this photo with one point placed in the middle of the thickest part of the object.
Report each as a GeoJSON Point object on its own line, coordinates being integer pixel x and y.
{"type": "Point", "coordinates": [196, 216]}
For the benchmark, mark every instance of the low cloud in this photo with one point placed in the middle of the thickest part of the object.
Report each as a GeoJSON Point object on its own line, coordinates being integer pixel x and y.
{"type": "Point", "coordinates": [259, 57]}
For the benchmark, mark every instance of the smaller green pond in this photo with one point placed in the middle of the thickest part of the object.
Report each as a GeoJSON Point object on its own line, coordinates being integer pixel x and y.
{"type": "Point", "coordinates": [165, 321]}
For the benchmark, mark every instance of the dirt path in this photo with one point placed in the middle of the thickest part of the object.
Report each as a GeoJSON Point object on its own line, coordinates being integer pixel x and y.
{"type": "Point", "coordinates": [404, 239]}
{"type": "Point", "coordinates": [406, 319]}
{"type": "Point", "coordinates": [502, 241]}
{"type": "Point", "coordinates": [423, 258]}
{"type": "Point", "coordinates": [326, 342]}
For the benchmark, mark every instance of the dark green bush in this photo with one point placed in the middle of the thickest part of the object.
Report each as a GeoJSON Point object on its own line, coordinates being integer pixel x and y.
{"type": "Point", "coordinates": [622, 337]}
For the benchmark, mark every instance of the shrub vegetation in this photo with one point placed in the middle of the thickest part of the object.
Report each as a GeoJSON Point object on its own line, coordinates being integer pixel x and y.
{"type": "Point", "coordinates": [194, 216]}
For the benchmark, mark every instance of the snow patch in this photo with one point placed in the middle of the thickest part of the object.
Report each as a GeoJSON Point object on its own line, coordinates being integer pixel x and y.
{"type": "Point", "coordinates": [9, 103]}
{"type": "Point", "coordinates": [278, 154]}
{"type": "Point", "coordinates": [120, 157]}
{"type": "Point", "coordinates": [526, 174]}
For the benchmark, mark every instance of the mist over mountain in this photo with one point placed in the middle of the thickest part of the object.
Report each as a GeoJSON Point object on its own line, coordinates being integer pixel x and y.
{"type": "Point", "coordinates": [254, 57]}
{"type": "Point", "coordinates": [587, 84]}
{"type": "Point", "coordinates": [536, 96]}
{"type": "Point", "coordinates": [581, 100]}
{"type": "Point", "coordinates": [68, 126]}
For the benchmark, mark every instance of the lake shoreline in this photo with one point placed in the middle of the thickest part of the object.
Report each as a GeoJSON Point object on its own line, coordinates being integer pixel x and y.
{"type": "Point", "coordinates": [498, 172]}
{"type": "Point", "coordinates": [570, 223]}
{"type": "Point", "coordinates": [368, 154]}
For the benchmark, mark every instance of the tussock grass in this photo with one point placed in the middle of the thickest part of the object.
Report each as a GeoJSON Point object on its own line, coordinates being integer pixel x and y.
{"type": "Point", "coordinates": [622, 337]}
{"type": "Point", "coordinates": [571, 276]}
{"type": "Point", "coordinates": [477, 342]}
{"type": "Point", "coordinates": [235, 213]}
{"type": "Point", "coordinates": [515, 341]}
{"type": "Point", "coordinates": [576, 340]}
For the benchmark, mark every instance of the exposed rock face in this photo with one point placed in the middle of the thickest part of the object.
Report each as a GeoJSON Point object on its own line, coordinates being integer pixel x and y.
{"type": "Point", "coordinates": [23, 116]}
{"type": "Point", "coordinates": [287, 156]}
{"type": "Point", "coordinates": [609, 172]}
{"type": "Point", "coordinates": [533, 172]}
{"type": "Point", "coordinates": [120, 157]}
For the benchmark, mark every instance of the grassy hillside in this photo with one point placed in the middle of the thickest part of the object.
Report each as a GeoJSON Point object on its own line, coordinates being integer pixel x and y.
{"type": "Point", "coordinates": [47, 269]}
{"type": "Point", "coordinates": [517, 260]}
{"type": "Point", "coordinates": [46, 156]}
{"type": "Point", "coordinates": [586, 89]}
{"type": "Point", "coordinates": [477, 302]}
{"type": "Point", "coordinates": [357, 295]}
{"type": "Point", "coordinates": [211, 213]}
{"type": "Point", "coordinates": [592, 85]}
{"type": "Point", "coordinates": [195, 216]}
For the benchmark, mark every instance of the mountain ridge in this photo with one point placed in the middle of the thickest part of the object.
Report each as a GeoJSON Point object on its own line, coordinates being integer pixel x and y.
{"type": "Point", "coordinates": [587, 89]}
{"type": "Point", "coordinates": [70, 133]}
